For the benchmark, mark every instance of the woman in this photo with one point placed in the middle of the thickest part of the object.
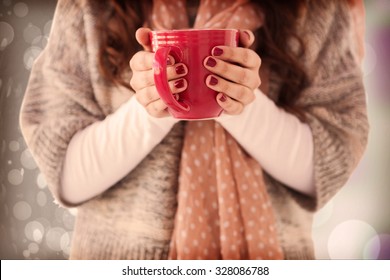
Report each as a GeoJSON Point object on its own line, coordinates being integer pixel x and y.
{"type": "Point", "coordinates": [242, 186]}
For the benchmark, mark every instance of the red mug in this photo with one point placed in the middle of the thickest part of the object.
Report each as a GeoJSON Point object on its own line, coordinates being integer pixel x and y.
{"type": "Point", "coordinates": [191, 47]}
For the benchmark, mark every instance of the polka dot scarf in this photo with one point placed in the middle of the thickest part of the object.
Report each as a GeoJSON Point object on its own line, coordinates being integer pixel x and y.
{"type": "Point", "coordinates": [224, 211]}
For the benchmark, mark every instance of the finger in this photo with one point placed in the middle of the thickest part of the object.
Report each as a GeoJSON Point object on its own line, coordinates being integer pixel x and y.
{"type": "Point", "coordinates": [178, 85]}
{"type": "Point", "coordinates": [157, 109]}
{"type": "Point", "coordinates": [142, 37]}
{"type": "Point", "coordinates": [247, 38]}
{"type": "Point", "coordinates": [142, 79]}
{"type": "Point", "coordinates": [229, 105]}
{"type": "Point", "coordinates": [176, 71]}
{"type": "Point", "coordinates": [141, 61]}
{"type": "Point", "coordinates": [150, 94]}
{"type": "Point", "coordinates": [235, 73]}
{"type": "Point", "coordinates": [147, 95]}
{"type": "Point", "coordinates": [235, 91]}
{"type": "Point", "coordinates": [245, 57]}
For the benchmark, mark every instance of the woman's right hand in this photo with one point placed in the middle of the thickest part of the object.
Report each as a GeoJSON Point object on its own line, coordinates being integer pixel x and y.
{"type": "Point", "coordinates": [142, 80]}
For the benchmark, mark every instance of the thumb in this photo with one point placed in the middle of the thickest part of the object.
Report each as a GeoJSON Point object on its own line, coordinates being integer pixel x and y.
{"type": "Point", "coordinates": [142, 37]}
{"type": "Point", "coordinates": [246, 38]}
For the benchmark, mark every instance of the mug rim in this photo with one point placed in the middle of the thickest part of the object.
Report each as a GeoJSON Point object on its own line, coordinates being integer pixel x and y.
{"type": "Point", "coordinates": [193, 30]}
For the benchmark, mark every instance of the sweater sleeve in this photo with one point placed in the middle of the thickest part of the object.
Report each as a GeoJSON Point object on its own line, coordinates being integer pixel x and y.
{"type": "Point", "coordinates": [334, 101]}
{"type": "Point", "coordinates": [59, 100]}
{"type": "Point", "coordinates": [104, 152]}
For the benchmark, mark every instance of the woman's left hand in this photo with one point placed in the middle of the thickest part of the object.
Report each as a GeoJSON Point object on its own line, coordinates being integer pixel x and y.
{"type": "Point", "coordinates": [235, 74]}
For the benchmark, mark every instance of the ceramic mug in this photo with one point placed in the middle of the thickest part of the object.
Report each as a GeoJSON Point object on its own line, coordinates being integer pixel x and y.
{"type": "Point", "coordinates": [191, 47]}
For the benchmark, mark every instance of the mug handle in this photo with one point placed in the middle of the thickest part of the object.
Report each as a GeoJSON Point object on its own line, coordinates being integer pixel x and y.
{"type": "Point", "coordinates": [161, 80]}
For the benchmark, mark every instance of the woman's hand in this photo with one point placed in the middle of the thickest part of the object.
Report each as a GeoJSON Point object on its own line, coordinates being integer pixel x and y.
{"type": "Point", "coordinates": [142, 80]}
{"type": "Point", "coordinates": [236, 74]}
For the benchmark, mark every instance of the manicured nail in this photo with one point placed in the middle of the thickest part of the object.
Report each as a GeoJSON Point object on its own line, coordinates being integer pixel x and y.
{"type": "Point", "coordinates": [211, 62]}
{"type": "Point", "coordinates": [180, 69]}
{"type": "Point", "coordinates": [217, 51]}
{"type": "Point", "coordinates": [223, 98]}
{"type": "Point", "coordinates": [213, 81]}
{"type": "Point", "coordinates": [179, 83]}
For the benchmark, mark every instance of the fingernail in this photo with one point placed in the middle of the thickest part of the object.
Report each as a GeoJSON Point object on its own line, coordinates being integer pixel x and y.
{"type": "Point", "coordinates": [180, 69]}
{"type": "Point", "coordinates": [211, 62]}
{"type": "Point", "coordinates": [179, 83]}
{"type": "Point", "coordinates": [222, 98]}
{"type": "Point", "coordinates": [213, 81]}
{"type": "Point", "coordinates": [217, 51]}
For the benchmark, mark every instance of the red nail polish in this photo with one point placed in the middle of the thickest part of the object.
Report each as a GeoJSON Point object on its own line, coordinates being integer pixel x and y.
{"type": "Point", "coordinates": [223, 98]}
{"type": "Point", "coordinates": [213, 81]}
{"type": "Point", "coordinates": [211, 62]}
{"type": "Point", "coordinates": [179, 83]}
{"type": "Point", "coordinates": [180, 69]}
{"type": "Point", "coordinates": [217, 51]}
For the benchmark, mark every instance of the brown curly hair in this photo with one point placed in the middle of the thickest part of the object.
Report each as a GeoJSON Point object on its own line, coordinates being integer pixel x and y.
{"type": "Point", "coordinates": [120, 20]}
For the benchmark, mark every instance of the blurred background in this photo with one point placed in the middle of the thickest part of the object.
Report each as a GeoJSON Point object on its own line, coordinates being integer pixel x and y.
{"type": "Point", "coordinates": [353, 225]}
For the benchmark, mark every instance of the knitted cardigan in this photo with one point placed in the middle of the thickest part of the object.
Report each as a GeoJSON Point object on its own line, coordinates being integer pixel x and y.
{"type": "Point", "coordinates": [134, 218]}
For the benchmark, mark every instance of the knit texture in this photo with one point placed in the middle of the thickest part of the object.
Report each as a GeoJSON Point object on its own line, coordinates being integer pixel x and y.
{"type": "Point", "coordinates": [134, 219]}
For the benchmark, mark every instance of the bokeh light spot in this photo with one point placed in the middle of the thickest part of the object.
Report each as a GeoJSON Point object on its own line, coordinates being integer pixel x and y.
{"type": "Point", "coordinates": [20, 9]}
{"type": "Point", "coordinates": [30, 56]}
{"type": "Point", "coordinates": [53, 238]}
{"type": "Point", "coordinates": [27, 160]}
{"type": "Point", "coordinates": [26, 254]}
{"type": "Point", "coordinates": [34, 231]}
{"type": "Point", "coordinates": [31, 32]}
{"type": "Point", "coordinates": [33, 248]}
{"type": "Point", "coordinates": [45, 223]}
{"type": "Point", "coordinates": [378, 247]}
{"type": "Point", "coordinates": [65, 242]}
{"type": "Point", "coordinates": [47, 27]}
{"type": "Point", "coordinates": [41, 198]}
{"type": "Point", "coordinates": [15, 176]}
{"type": "Point", "coordinates": [22, 210]}
{"type": "Point", "coordinates": [14, 146]}
{"type": "Point", "coordinates": [40, 41]}
{"type": "Point", "coordinates": [6, 34]}
{"type": "Point", "coordinates": [41, 181]}
{"type": "Point", "coordinates": [348, 239]}
{"type": "Point", "coordinates": [372, 248]}
{"type": "Point", "coordinates": [68, 219]}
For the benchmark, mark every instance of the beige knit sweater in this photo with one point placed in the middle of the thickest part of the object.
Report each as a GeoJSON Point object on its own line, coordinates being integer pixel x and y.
{"type": "Point", "coordinates": [134, 218]}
